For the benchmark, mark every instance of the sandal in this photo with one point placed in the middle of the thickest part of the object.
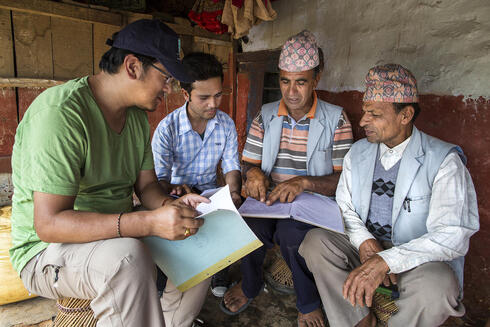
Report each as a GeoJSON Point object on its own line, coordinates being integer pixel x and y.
{"type": "Point", "coordinates": [223, 307]}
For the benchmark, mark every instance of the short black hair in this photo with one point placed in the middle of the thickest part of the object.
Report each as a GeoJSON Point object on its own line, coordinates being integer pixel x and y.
{"type": "Point", "coordinates": [114, 58]}
{"type": "Point", "coordinates": [400, 106]}
{"type": "Point", "coordinates": [201, 66]}
{"type": "Point", "coordinates": [319, 69]}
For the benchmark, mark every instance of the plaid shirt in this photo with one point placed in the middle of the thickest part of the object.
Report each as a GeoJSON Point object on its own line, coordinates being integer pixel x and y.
{"type": "Point", "coordinates": [182, 157]}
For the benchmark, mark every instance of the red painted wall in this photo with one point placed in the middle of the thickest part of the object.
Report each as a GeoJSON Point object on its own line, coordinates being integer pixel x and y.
{"type": "Point", "coordinates": [466, 123]}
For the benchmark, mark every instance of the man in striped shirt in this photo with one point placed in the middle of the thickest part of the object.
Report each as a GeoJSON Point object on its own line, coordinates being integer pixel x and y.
{"type": "Point", "coordinates": [296, 144]}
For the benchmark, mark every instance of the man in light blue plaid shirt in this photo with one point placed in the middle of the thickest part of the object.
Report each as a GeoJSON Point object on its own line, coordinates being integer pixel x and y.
{"type": "Point", "coordinates": [189, 143]}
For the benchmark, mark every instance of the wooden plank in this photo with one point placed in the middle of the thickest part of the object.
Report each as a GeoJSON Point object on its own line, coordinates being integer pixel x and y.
{"type": "Point", "coordinates": [241, 121]}
{"type": "Point", "coordinates": [101, 34]}
{"type": "Point", "coordinates": [232, 75]}
{"type": "Point", "coordinates": [6, 45]}
{"type": "Point", "coordinates": [63, 10]}
{"type": "Point", "coordinates": [72, 49]}
{"type": "Point", "coordinates": [8, 121]}
{"type": "Point", "coordinates": [33, 52]}
{"type": "Point", "coordinates": [197, 31]}
{"type": "Point", "coordinates": [28, 82]}
{"type": "Point", "coordinates": [259, 56]}
{"type": "Point", "coordinates": [212, 41]}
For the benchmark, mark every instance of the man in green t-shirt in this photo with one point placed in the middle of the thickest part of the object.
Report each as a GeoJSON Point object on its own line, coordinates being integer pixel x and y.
{"type": "Point", "coordinates": [80, 151]}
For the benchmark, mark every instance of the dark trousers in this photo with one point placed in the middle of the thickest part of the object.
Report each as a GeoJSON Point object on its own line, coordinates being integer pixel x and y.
{"type": "Point", "coordinates": [288, 234]}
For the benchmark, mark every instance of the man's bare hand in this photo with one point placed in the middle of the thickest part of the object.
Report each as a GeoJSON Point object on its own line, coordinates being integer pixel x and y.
{"type": "Point", "coordinates": [172, 220]}
{"type": "Point", "coordinates": [361, 283]}
{"type": "Point", "coordinates": [257, 184]}
{"type": "Point", "coordinates": [237, 199]}
{"type": "Point", "coordinates": [192, 200]}
{"type": "Point", "coordinates": [180, 190]}
{"type": "Point", "coordinates": [287, 191]}
{"type": "Point", "coordinates": [368, 249]}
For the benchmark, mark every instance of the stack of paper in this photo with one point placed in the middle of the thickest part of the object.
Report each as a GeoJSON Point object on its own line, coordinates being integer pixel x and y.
{"type": "Point", "coordinates": [223, 239]}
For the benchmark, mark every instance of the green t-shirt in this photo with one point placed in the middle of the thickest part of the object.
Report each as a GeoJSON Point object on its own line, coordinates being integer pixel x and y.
{"type": "Point", "coordinates": [64, 146]}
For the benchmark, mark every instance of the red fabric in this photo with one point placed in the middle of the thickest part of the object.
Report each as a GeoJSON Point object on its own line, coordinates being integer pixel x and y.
{"type": "Point", "coordinates": [237, 3]}
{"type": "Point", "coordinates": [208, 19]}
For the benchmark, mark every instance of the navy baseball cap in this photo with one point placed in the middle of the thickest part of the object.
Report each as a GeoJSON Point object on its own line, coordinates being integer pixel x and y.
{"type": "Point", "coordinates": [152, 38]}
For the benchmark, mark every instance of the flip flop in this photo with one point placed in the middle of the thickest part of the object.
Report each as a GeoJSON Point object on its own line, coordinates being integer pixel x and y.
{"type": "Point", "coordinates": [223, 307]}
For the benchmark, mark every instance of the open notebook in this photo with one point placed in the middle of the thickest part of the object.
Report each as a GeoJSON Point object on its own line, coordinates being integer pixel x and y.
{"type": "Point", "coordinates": [223, 239]}
{"type": "Point", "coordinates": [310, 208]}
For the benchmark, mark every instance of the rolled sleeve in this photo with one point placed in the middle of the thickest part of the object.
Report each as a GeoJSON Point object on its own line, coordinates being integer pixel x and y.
{"type": "Point", "coordinates": [229, 160]}
{"type": "Point", "coordinates": [56, 154]}
{"type": "Point", "coordinates": [252, 151]}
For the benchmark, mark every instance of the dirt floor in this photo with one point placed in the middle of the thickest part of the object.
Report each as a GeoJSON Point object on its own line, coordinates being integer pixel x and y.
{"type": "Point", "coordinates": [269, 309]}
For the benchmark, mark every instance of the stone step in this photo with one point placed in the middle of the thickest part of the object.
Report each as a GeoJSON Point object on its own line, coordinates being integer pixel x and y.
{"type": "Point", "coordinates": [32, 312]}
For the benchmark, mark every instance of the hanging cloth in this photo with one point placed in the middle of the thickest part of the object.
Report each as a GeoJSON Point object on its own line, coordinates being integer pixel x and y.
{"type": "Point", "coordinates": [240, 19]}
{"type": "Point", "coordinates": [207, 14]}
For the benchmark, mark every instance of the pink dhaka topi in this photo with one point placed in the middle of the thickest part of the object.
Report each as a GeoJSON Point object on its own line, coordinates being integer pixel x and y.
{"type": "Point", "coordinates": [299, 53]}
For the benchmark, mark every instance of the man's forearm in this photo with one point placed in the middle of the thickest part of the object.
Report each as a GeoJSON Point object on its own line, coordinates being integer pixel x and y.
{"type": "Point", "coordinates": [154, 195]}
{"type": "Point", "coordinates": [325, 185]}
{"type": "Point", "coordinates": [71, 226]}
{"type": "Point", "coordinates": [234, 180]}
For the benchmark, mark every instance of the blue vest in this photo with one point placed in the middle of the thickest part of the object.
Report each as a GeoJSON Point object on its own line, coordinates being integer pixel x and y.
{"type": "Point", "coordinates": [418, 168]}
{"type": "Point", "coordinates": [320, 137]}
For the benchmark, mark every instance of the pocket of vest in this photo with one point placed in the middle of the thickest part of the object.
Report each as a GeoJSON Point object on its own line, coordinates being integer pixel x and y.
{"type": "Point", "coordinates": [417, 204]}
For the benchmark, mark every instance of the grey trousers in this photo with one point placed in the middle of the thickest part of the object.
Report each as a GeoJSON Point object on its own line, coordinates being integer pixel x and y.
{"type": "Point", "coordinates": [428, 293]}
{"type": "Point", "coordinates": [119, 276]}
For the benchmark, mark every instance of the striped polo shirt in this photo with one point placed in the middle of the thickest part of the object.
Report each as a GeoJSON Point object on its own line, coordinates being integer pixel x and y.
{"type": "Point", "coordinates": [291, 158]}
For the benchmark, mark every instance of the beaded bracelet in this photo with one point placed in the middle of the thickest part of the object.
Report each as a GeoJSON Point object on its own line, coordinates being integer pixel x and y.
{"type": "Point", "coordinates": [119, 224]}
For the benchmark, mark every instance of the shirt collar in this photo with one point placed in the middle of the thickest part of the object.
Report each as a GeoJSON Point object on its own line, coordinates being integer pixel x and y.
{"type": "Point", "coordinates": [394, 151]}
{"type": "Point", "coordinates": [185, 123]}
{"type": "Point", "coordinates": [283, 110]}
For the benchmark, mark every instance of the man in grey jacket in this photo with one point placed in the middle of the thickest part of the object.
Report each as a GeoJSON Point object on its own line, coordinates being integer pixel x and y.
{"type": "Point", "coordinates": [409, 207]}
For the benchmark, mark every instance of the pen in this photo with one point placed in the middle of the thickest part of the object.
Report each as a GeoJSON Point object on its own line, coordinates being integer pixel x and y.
{"type": "Point", "coordinates": [386, 291]}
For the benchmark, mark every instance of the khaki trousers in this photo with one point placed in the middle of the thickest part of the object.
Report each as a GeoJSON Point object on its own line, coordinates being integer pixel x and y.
{"type": "Point", "coordinates": [428, 293]}
{"type": "Point", "coordinates": [119, 276]}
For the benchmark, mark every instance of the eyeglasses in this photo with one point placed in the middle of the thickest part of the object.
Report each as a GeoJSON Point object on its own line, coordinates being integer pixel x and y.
{"type": "Point", "coordinates": [168, 78]}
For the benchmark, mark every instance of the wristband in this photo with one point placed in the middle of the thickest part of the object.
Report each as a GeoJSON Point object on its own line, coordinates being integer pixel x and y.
{"type": "Point", "coordinates": [119, 224]}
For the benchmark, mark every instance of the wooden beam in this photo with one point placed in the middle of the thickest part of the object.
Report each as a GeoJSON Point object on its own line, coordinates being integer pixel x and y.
{"type": "Point", "coordinates": [197, 31]}
{"type": "Point", "coordinates": [259, 56]}
{"type": "Point", "coordinates": [28, 82]}
{"type": "Point", "coordinates": [212, 41]}
{"type": "Point", "coordinates": [63, 10]}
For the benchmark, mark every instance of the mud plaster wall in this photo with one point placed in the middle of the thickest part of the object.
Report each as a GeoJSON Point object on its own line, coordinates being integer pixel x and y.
{"type": "Point", "coordinates": [446, 44]}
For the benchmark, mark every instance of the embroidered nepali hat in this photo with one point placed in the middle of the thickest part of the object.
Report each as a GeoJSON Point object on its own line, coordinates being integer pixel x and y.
{"type": "Point", "coordinates": [391, 83]}
{"type": "Point", "coordinates": [299, 53]}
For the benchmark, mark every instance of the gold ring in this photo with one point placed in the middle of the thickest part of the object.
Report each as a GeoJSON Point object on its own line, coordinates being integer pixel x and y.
{"type": "Point", "coordinates": [187, 232]}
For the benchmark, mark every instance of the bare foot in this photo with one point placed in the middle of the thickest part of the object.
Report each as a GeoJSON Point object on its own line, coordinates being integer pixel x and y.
{"type": "Point", "coordinates": [311, 319]}
{"type": "Point", "coordinates": [368, 321]}
{"type": "Point", "coordinates": [234, 298]}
